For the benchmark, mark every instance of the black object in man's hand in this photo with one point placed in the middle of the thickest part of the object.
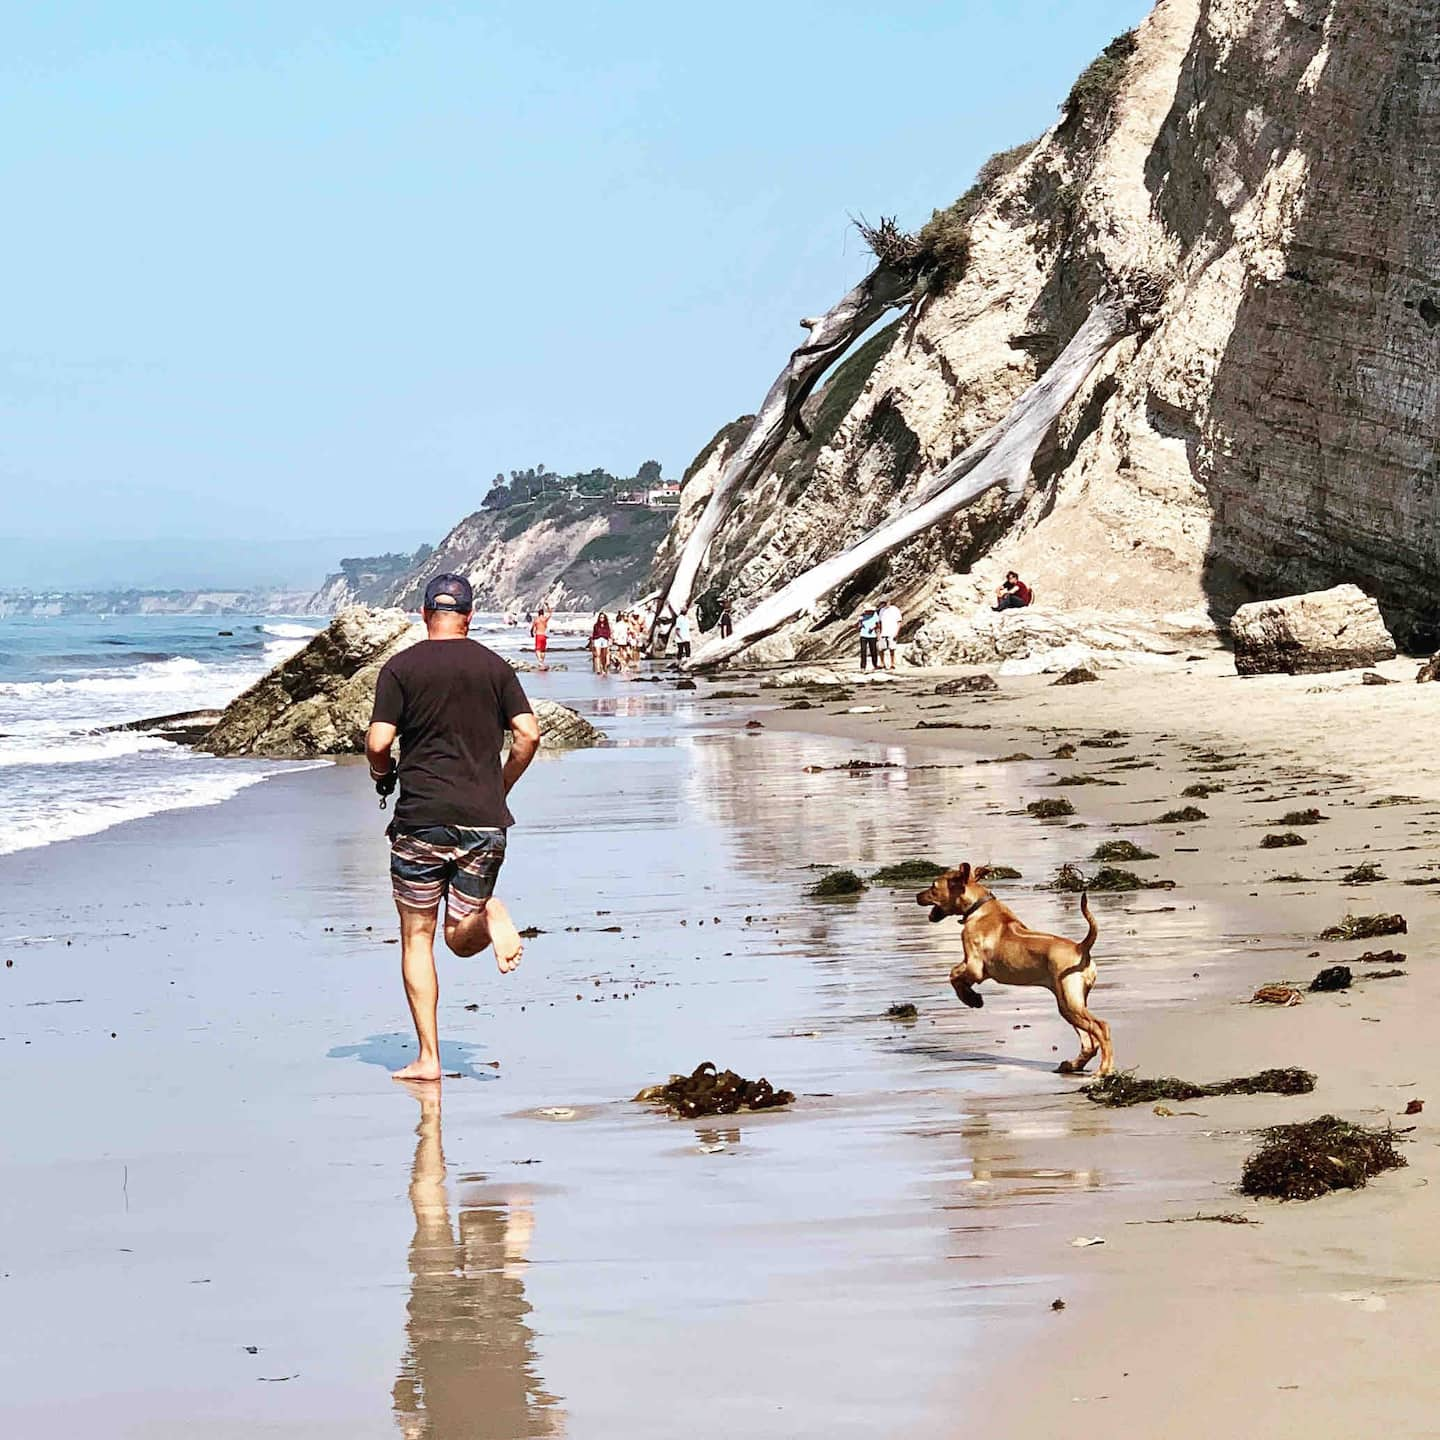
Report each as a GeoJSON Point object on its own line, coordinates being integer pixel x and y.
{"type": "Point", "coordinates": [385, 784]}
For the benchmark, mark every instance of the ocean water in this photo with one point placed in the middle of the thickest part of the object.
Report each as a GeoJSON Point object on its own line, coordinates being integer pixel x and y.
{"type": "Point", "coordinates": [65, 681]}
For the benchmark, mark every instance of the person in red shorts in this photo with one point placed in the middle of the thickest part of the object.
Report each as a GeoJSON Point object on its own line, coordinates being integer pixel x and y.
{"type": "Point", "coordinates": [449, 701]}
{"type": "Point", "coordinates": [540, 629]}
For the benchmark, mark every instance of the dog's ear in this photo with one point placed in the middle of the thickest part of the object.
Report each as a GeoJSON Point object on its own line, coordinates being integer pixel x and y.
{"type": "Point", "coordinates": [962, 874]}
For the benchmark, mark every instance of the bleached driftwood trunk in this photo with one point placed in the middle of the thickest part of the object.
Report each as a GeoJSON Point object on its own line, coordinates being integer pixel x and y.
{"type": "Point", "coordinates": [830, 336]}
{"type": "Point", "coordinates": [1003, 456]}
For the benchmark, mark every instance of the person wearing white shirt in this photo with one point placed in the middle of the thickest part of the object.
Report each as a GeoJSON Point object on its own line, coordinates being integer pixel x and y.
{"type": "Point", "coordinates": [682, 635]}
{"type": "Point", "coordinates": [890, 619]}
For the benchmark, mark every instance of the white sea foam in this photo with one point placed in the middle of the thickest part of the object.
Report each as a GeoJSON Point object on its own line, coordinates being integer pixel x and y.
{"type": "Point", "coordinates": [66, 775]}
{"type": "Point", "coordinates": [69, 749]}
{"type": "Point", "coordinates": [89, 817]}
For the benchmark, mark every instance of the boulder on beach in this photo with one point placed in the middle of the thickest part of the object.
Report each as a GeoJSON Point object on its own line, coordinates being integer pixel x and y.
{"type": "Point", "coordinates": [318, 701]}
{"type": "Point", "coordinates": [1430, 670]}
{"type": "Point", "coordinates": [1336, 629]}
{"type": "Point", "coordinates": [1038, 640]}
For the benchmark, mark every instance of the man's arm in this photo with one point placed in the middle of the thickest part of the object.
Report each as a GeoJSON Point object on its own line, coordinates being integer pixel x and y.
{"type": "Point", "coordinates": [378, 740]}
{"type": "Point", "coordinates": [524, 742]}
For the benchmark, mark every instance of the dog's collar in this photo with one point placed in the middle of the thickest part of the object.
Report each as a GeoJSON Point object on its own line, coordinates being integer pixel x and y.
{"type": "Point", "coordinates": [970, 910]}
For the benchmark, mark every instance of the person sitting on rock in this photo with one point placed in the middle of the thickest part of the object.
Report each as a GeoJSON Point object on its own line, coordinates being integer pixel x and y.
{"type": "Point", "coordinates": [1014, 594]}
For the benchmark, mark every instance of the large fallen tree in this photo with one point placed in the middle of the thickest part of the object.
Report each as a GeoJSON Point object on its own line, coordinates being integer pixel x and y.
{"type": "Point", "coordinates": [1002, 457]}
{"type": "Point", "coordinates": [889, 284]}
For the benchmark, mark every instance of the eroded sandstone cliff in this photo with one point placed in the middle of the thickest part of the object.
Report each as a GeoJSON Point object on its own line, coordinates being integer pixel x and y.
{"type": "Point", "coordinates": [1275, 431]}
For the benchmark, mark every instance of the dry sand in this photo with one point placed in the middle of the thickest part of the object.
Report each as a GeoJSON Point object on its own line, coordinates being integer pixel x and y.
{"type": "Point", "coordinates": [234, 1168]}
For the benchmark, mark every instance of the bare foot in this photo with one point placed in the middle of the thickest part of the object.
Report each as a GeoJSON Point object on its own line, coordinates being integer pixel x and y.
{"type": "Point", "coordinates": [503, 936]}
{"type": "Point", "coordinates": [418, 1070]}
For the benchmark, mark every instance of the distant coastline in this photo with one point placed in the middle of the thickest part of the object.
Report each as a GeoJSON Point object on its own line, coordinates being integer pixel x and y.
{"type": "Point", "coordinates": [49, 604]}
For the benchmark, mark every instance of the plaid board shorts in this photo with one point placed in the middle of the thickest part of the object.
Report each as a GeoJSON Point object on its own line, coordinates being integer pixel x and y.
{"type": "Point", "coordinates": [457, 862]}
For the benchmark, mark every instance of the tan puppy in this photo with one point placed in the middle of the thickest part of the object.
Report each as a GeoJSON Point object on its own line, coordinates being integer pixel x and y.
{"type": "Point", "coordinates": [998, 946]}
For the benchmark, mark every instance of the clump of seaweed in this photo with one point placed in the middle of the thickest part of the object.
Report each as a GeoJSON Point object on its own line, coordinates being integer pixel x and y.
{"type": "Point", "coordinates": [1051, 809]}
{"type": "Point", "coordinates": [1303, 817]}
{"type": "Point", "coordinates": [1082, 780]}
{"type": "Point", "coordinates": [1109, 879]}
{"type": "Point", "coordinates": [1014, 755]}
{"type": "Point", "coordinates": [907, 872]}
{"type": "Point", "coordinates": [1128, 1089]}
{"type": "Point", "coordinates": [1183, 816]}
{"type": "Point", "coordinates": [1382, 957]}
{"type": "Point", "coordinates": [732, 695]}
{"type": "Point", "coordinates": [1002, 872]}
{"type": "Point", "coordinates": [1365, 927]}
{"type": "Point", "coordinates": [903, 1011]}
{"type": "Point", "coordinates": [1333, 977]}
{"type": "Point", "coordinates": [1301, 1162]}
{"type": "Point", "coordinates": [799, 705]}
{"type": "Point", "coordinates": [706, 1091]}
{"type": "Point", "coordinates": [1366, 873]}
{"type": "Point", "coordinates": [1282, 840]}
{"type": "Point", "coordinates": [1116, 850]}
{"type": "Point", "coordinates": [1064, 752]}
{"type": "Point", "coordinates": [1078, 676]}
{"type": "Point", "coordinates": [1200, 791]}
{"type": "Point", "coordinates": [837, 882]}
{"type": "Point", "coordinates": [967, 685]}
{"type": "Point", "coordinates": [1275, 994]}
{"type": "Point", "coordinates": [1289, 879]}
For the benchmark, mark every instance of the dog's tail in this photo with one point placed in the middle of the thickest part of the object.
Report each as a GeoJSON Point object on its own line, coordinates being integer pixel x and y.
{"type": "Point", "coordinates": [1087, 944]}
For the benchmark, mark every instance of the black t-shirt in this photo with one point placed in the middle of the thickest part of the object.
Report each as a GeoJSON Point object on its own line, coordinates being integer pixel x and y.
{"type": "Point", "coordinates": [452, 702]}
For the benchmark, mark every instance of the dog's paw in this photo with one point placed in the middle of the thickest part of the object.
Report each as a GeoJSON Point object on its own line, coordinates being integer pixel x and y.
{"type": "Point", "coordinates": [974, 1001]}
{"type": "Point", "coordinates": [1065, 1067]}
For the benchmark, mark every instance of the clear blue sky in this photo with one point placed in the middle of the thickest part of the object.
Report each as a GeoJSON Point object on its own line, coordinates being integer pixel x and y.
{"type": "Point", "coordinates": [290, 278]}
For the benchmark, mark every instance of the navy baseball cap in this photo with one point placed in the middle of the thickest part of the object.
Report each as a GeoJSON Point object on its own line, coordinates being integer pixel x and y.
{"type": "Point", "coordinates": [449, 592]}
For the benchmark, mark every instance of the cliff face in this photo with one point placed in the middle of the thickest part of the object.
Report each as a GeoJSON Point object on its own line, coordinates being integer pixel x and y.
{"type": "Point", "coordinates": [1275, 432]}
{"type": "Point", "coordinates": [581, 554]}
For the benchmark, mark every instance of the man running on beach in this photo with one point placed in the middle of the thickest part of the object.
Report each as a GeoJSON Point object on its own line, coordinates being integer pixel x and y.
{"type": "Point", "coordinates": [450, 704]}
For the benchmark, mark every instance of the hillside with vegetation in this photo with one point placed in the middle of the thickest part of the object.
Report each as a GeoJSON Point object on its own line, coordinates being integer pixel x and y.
{"type": "Point", "coordinates": [581, 541]}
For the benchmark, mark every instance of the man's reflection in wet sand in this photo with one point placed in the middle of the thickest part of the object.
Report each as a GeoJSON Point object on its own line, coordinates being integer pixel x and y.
{"type": "Point", "coordinates": [468, 1369]}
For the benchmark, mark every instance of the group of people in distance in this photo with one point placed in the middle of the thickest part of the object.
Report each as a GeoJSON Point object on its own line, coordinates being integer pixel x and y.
{"type": "Point", "coordinates": [879, 635]}
{"type": "Point", "coordinates": [615, 644]}
{"type": "Point", "coordinates": [880, 624]}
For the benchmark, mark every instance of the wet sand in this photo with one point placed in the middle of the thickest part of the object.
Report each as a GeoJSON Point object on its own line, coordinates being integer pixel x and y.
{"type": "Point", "coordinates": [531, 1254]}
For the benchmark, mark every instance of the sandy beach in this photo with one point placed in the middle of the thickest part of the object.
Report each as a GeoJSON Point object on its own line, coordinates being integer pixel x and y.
{"type": "Point", "coordinates": [224, 1216]}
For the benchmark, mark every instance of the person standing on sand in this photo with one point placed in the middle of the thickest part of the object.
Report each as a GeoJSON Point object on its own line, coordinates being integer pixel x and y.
{"type": "Point", "coordinates": [620, 639]}
{"type": "Point", "coordinates": [869, 639]}
{"type": "Point", "coordinates": [682, 635]}
{"type": "Point", "coordinates": [540, 630]}
{"type": "Point", "coordinates": [449, 700]}
{"type": "Point", "coordinates": [890, 618]}
{"type": "Point", "coordinates": [727, 621]}
{"type": "Point", "coordinates": [600, 644]}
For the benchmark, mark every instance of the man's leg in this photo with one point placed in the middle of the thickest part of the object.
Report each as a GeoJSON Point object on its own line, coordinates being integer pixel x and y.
{"type": "Point", "coordinates": [422, 989]}
{"type": "Point", "coordinates": [474, 918]}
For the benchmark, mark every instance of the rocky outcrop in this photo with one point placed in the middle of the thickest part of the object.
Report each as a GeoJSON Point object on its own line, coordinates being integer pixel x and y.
{"type": "Point", "coordinates": [1273, 433]}
{"type": "Point", "coordinates": [1040, 639]}
{"type": "Point", "coordinates": [318, 701]}
{"type": "Point", "coordinates": [1336, 629]}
